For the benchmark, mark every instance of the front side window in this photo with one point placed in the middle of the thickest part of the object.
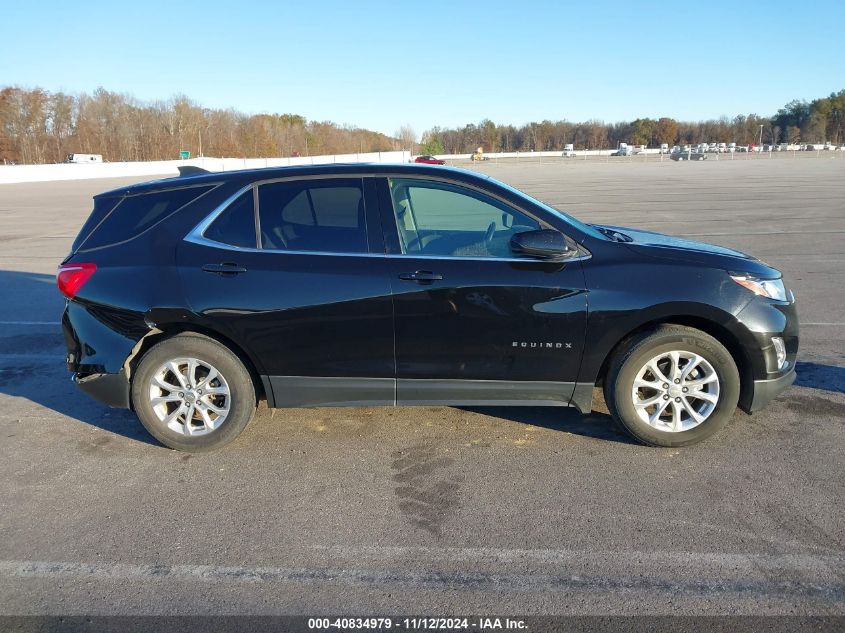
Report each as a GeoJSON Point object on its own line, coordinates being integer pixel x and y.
{"type": "Point", "coordinates": [319, 215]}
{"type": "Point", "coordinates": [440, 219]}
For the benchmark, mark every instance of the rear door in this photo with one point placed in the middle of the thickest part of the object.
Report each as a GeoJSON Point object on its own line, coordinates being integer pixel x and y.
{"type": "Point", "coordinates": [294, 272]}
{"type": "Point", "coordinates": [474, 322]}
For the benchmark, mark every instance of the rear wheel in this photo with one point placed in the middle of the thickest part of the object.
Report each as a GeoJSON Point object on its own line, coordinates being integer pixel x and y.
{"type": "Point", "coordinates": [192, 393]}
{"type": "Point", "coordinates": [673, 386]}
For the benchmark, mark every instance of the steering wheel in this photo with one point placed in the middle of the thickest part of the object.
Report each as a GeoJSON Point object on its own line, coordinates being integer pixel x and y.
{"type": "Point", "coordinates": [491, 230]}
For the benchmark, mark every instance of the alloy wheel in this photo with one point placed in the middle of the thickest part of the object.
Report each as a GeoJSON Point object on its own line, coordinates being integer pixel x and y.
{"type": "Point", "coordinates": [190, 396]}
{"type": "Point", "coordinates": [675, 391]}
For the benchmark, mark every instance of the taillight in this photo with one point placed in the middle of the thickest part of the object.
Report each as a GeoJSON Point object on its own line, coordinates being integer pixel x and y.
{"type": "Point", "coordinates": [71, 277]}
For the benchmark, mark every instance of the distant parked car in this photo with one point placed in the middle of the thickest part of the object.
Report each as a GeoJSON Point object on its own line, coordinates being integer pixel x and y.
{"type": "Point", "coordinates": [689, 154]}
{"type": "Point", "coordinates": [429, 160]}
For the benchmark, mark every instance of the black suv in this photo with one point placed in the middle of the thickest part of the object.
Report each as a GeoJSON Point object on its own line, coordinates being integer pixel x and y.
{"type": "Point", "coordinates": [192, 298]}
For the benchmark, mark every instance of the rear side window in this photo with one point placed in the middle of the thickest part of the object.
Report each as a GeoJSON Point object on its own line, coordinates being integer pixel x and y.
{"type": "Point", "coordinates": [236, 224]}
{"type": "Point", "coordinates": [321, 215]}
{"type": "Point", "coordinates": [135, 214]}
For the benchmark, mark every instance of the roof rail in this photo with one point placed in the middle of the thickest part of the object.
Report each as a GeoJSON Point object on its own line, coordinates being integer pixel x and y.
{"type": "Point", "coordinates": [190, 170]}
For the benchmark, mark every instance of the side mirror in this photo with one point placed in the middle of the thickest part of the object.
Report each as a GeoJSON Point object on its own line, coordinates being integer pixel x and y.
{"type": "Point", "coordinates": [545, 244]}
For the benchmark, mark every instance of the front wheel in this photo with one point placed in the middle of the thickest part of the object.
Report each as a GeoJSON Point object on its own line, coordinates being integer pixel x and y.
{"type": "Point", "coordinates": [193, 394]}
{"type": "Point", "coordinates": [673, 386]}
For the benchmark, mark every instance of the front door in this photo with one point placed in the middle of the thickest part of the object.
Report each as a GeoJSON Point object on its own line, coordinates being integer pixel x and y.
{"type": "Point", "coordinates": [474, 322]}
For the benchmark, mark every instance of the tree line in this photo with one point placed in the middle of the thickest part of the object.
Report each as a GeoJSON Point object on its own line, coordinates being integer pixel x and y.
{"type": "Point", "coordinates": [816, 121]}
{"type": "Point", "coordinates": [37, 126]}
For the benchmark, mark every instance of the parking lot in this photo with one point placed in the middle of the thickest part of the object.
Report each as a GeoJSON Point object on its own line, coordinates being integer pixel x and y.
{"type": "Point", "coordinates": [440, 510]}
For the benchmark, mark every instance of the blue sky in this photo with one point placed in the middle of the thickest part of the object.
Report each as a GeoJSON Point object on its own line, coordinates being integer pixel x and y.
{"type": "Point", "coordinates": [427, 62]}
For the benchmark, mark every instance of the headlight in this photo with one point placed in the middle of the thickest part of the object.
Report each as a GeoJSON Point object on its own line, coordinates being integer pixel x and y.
{"type": "Point", "coordinates": [771, 288]}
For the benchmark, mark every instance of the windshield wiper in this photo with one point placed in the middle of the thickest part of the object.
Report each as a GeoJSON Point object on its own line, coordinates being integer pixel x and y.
{"type": "Point", "coordinates": [616, 236]}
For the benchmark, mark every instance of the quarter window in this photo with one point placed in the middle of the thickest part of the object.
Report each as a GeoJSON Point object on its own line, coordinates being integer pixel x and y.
{"type": "Point", "coordinates": [317, 215]}
{"type": "Point", "coordinates": [236, 224]}
{"type": "Point", "coordinates": [436, 218]}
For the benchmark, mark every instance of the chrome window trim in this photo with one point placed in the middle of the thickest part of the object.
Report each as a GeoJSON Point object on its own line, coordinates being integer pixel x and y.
{"type": "Point", "coordinates": [204, 241]}
{"type": "Point", "coordinates": [196, 235]}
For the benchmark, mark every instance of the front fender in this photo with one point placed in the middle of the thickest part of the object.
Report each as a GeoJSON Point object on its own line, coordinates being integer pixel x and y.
{"type": "Point", "coordinates": [607, 328]}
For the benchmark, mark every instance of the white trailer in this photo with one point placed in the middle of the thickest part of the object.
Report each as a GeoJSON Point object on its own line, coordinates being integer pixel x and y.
{"type": "Point", "coordinates": [84, 158]}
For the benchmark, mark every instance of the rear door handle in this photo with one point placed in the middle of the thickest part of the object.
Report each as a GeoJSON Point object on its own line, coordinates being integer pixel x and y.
{"type": "Point", "coordinates": [226, 268]}
{"type": "Point", "coordinates": [423, 276]}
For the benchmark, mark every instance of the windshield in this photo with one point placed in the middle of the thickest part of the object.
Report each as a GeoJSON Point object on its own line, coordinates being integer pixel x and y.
{"type": "Point", "coordinates": [584, 228]}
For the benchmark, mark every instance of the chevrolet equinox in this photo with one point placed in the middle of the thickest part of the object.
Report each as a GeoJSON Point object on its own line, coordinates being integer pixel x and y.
{"type": "Point", "coordinates": [190, 299]}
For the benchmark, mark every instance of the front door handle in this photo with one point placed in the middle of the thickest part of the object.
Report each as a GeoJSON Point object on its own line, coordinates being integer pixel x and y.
{"type": "Point", "coordinates": [422, 276]}
{"type": "Point", "coordinates": [226, 268]}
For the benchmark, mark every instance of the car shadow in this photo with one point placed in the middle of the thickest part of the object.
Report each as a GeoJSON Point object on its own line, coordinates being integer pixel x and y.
{"type": "Point", "coordinates": [596, 425]}
{"type": "Point", "coordinates": [45, 381]}
{"type": "Point", "coordinates": [32, 358]}
{"type": "Point", "coordinates": [820, 376]}
{"type": "Point", "coordinates": [600, 425]}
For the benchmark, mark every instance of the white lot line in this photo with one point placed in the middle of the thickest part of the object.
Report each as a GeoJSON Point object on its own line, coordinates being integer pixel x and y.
{"type": "Point", "coordinates": [30, 323]}
{"type": "Point", "coordinates": [688, 572]}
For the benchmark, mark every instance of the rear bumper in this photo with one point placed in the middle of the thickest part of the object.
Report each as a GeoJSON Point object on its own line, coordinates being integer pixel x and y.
{"type": "Point", "coordinates": [98, 345]}
{"type": "Point", "coordinates": [767, 390]}
{"type": "Point", "coordinates": [111, 389]}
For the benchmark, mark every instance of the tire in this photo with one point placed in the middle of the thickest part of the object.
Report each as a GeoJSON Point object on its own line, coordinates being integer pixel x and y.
{"type": "Point", "coordinates": [672, 346]}
{"type": "Point", "coordinates": [229, 390]}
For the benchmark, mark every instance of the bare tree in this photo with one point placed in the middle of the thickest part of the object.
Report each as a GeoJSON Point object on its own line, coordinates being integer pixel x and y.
{"type": "Point", "coordinates": [407, 137]}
